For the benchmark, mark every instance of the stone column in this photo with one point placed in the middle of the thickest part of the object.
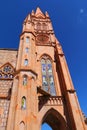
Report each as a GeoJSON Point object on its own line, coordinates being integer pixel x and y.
{"type": "Point", "coordinates": [71, 98]}
{"type": "Point", "coordinates": [32, 105]}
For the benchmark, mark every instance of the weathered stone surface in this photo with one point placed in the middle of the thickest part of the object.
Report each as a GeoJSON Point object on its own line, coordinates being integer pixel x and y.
{"type": "Point", "coordinates": [7, 55]}
{"type": "Point", "coordinates": [22, 105]}
{"type": "Point", "coordinates": [4, 108]}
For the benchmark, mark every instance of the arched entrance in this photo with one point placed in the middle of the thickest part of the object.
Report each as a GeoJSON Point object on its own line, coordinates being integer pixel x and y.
{"type": "Point", "coordinates": [45, 126]}
{"type": "Point", "coordinates": [55, 120]}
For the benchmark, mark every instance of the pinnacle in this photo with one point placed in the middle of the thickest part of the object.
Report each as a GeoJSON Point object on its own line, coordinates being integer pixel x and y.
{"type": "Point", "coordinates": [38, 11]}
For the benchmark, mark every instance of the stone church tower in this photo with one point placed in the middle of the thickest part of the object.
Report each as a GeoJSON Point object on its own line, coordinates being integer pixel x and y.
{"type": "Point", "coordinates": [35, 83]}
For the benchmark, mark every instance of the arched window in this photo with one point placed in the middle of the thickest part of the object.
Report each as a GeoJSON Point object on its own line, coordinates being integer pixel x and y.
{"type": "Point", "coordinates": [25, 62]}
{"type": "Point", "coordinates": [23, 102]}
{"type": "Point", "coordinates": [10, 76]}
{"type": "Point", "coordinates": [6, 71]}
{"type": "Point", "coordinates": [47, 76]}
{"type": "Point", "coordinates": [24, 80]}
{"type": "Point", "coordinates": [26, 49]}
{"type": "Point", "coordinates": [5, 76]}
{"type": "Point", "coordinates": [27, 39]}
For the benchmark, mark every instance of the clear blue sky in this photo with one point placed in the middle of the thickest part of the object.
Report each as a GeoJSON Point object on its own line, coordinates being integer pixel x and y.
{"type": "Point", "coordinates": [69, 20]}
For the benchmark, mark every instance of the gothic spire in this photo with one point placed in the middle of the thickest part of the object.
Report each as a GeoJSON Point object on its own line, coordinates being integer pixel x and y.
{"type": "Point", "coordinates": [39, 13]}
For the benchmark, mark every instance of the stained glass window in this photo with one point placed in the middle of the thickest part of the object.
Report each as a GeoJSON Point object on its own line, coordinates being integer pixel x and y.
{"type": "Point", "coordinates": [5, 76]}
{"type": "Point", "coordinates": [47, 76]}
{"type": "Point", "coordinates": [23, 103]}
{"type": "Point", "coordinates": [6, 71]}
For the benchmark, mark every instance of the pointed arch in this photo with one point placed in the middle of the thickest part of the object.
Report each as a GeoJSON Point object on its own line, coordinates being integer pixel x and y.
{"type": "Point", "coordinates": [39, 13]}
{"type": "Point", "coordinates": [27, 39]}
{"type": "Point", "coordinates": [7, 63]}
{"type": "Point", "coordinates": [7, 71]}
{"type": "Point", "coordinates": [54, 119]}
{"type": "Point", "coordinates": [45, 55]}
{"type": "Point", "coordinates": [46, 126]}
{"type": "Point", "coordinates": [22, 125]}
{"type": "Point", "coordinates": [26, 50]}
{"type": "Point", "coordinates": [25, 80]}
{"type": "Point", "coordinates": [47, 75]}
{"type": "Point", "coordinates": [23, 103]}
{"type": "Point", "coordinates": [26, 62]}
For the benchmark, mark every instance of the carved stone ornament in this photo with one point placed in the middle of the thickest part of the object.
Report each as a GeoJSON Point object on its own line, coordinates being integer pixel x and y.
{"type": "Point", "coordinates": [42, 39]}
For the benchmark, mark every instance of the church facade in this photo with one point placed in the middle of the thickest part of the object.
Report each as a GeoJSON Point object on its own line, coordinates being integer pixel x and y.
{"type": "Point", "coordinates": [35, 83]}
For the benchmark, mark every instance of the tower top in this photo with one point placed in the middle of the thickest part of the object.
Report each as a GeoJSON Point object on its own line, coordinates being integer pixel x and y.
{"type": "Point", "coordinates": [40, 25]}
{"type": "Point", "coordinates": [39, 13]}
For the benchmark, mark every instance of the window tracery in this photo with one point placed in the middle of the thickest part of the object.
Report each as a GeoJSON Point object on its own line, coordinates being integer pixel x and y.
{"type": "Point", "coordinates": [6, 71]}
{"type": "Point", "coordinates": [47, 76]}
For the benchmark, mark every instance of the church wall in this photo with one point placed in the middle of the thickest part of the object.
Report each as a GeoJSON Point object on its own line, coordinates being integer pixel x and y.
{"type": "Point", "coordinates": [8, 56]}
{"type": "Point", "coordinates": [5, 85]}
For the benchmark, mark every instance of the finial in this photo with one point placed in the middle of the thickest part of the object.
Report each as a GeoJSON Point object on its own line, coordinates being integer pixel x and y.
{"type": "Point", "coordinates": [32, 12]}
{"type": "Point", "coordinates": [46, 13]}
{"type": "Point", "coordinates": [38, 11]}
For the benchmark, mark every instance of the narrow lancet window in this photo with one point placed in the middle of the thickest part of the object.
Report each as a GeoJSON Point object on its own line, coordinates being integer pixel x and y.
{"type": "Point", "coordinates": [27, 39]}
{"type": "Point", "coordinates": [47, 76]}
{"type": "Point", "coordinates": [24, 80]}
{"type": "Point", "coordinates": [26, 49]}
{"type": "Point", "coordinates": [25, 62]}
{"type": "Point", "coordinates": [23, 103]}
